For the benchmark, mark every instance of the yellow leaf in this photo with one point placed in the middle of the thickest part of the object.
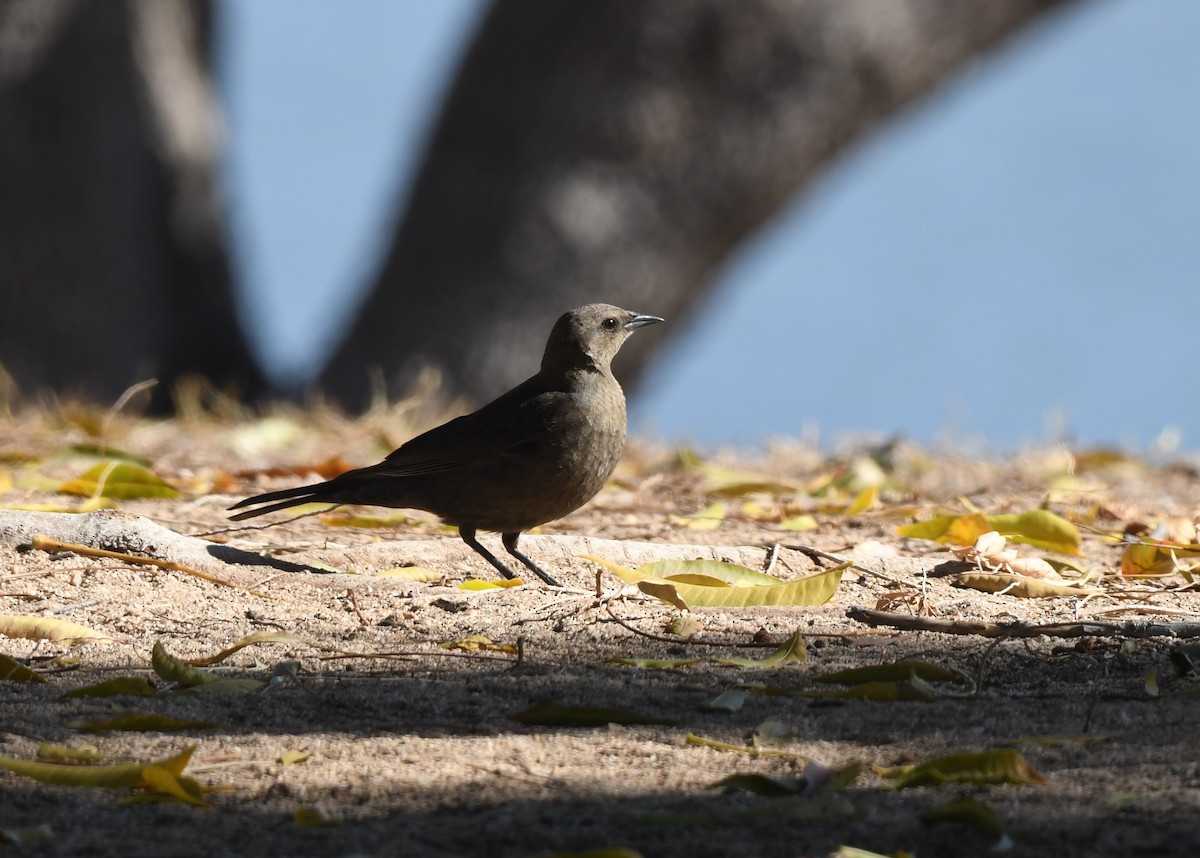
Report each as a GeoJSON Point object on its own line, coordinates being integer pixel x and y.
{"type": "Point", "coordinates": [799, 523]}
{"type": "Point", "coordinates": [748, 750]}
{"type": "Point", "coordinates": [500, 584]}
{"type": "Point", "coordinates": [865, 499]}
{"type": "Point", "coordinates": [12, 670]}
{"type": "Point", "coordinates": [655, 663]}
{"type": "Point", "coordinates": [728, 573]}
{"type": "Point", "coordinates": [369, 520]}
{"type": "Point", "coordinates": [664, 591]}
{"type": "Point", "coordinates": [6, 482]}
{"type": "Point", "coordinates": [47, 629]}
{"type": "Point", "coordinates": [759, 512]}
{"type": "Point", "coordinates": [1158, 560]}
{"type": "Point", "coordinates": [1000, 766]}
{"type": "Point", "coordinates": [478, 643]}
{"type": "Point", "coordinates": [79, 754]}
{"type": "Point", "coordinates": [813, 590]}
{"type": "Point", "coordinates": [119, 480]}
{"type": "Point", "coordinates": [791, 650]}
{"type": "Point", "coordinates": [1038, 527]}
{"type": "Point", "coordinates": [158, 778]}
{"type": "Point", "coordinates": [117, 776]}
{"type": "Point", "coordinates": [177, 670]}
{"type": "Point", "coordinates": [709, 518]}
{"type": "Point", "coordinates": [1019, 585]}
{"type": "Point", "coordinates": [292, 757]}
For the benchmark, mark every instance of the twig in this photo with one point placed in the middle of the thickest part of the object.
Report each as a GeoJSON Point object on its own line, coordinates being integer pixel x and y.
{"type": "Point", "coordinates": [45, 543]}
{"type": "Point", "coordinates": [1086, 628]}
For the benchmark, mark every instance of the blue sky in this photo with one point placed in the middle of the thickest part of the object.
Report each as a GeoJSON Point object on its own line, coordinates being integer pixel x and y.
{"type": "Point", "coordinates": [1013, 260]}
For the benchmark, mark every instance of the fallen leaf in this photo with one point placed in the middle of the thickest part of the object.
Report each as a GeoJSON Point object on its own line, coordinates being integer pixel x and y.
{"type": "Point", "coordinates": [119, 480]}
{"type": "Point", "coordinates": [12, 670]}
{"type": "Point", "coordinates": [48, 629]}
{"type": "Point", "coordinates": [999, 766]}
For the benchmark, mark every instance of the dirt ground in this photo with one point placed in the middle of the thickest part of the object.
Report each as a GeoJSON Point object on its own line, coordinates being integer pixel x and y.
{"type": "Point", "coordinates": [411, 748]}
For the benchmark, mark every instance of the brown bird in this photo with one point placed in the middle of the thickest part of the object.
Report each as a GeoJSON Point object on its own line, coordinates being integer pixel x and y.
{"type": "Point", "coordinates": [537, 453]}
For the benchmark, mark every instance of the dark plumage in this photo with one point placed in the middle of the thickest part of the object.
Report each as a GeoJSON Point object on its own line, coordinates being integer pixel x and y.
{"type": "Point", "coordinates": [537, 453]}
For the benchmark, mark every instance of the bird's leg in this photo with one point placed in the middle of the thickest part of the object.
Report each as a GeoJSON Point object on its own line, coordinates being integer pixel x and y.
{"type": "Point", "coordinates": [510, 545]}
{"type": "Point", "coordinates": [468, 536]}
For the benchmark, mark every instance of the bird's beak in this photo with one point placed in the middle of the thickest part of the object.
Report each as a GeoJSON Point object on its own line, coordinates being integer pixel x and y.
{"type": "Point", "coordinates": [640, 320]}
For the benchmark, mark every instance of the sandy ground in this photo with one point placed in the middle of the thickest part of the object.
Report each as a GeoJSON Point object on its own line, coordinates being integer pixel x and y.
{"type": "Point", "coordinates": [412, 749]}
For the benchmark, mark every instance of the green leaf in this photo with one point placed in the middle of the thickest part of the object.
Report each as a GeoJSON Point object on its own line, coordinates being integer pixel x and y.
{"type": "Point", "coordinates": [750, 588]}
{"type": "Point", "coordinates": [760, 784]}
{"type": "Point", "coordinates": [369, 521]}
{"type": "Point", "coordinates": [141, 722]}
{"type": "Point", "coordinates": [548, 714]}
{"type": "Point", "coordinates": [177, 670]}
{"type": "Point", "coordinates": [49, 752]}
{"type": "Point", "coordinates": [748, 750]}
{"type": "Point", "coordinates": [655, 663]}
{"type": "Point", "coordinates": [132, 686]}
{"type": "Point", "coordinates": [729, 573]}
{"type": "Point", "coordinates": [999, 766]}
{"type": "Point", "coordinates": [791, 650]}
{"type": "Point", "coordinates": [12, 670]}
{"type": "Point", "coordinates": [893, 672]}
{"type": "Point", "coordinates": [119, 480]}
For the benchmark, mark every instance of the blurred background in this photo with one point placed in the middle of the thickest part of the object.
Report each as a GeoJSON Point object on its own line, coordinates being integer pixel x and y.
{"type": "Point", "coordinates": [954, 222]}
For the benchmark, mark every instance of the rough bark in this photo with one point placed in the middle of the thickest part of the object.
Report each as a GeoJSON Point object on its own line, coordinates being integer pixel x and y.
{"type": "Point", "coordinates": [113, 265]}
{"type": "Point", "coordinates": [619, 150]}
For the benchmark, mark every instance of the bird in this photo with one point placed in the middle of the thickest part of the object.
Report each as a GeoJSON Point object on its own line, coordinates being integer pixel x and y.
{"type": "Point", "coordinates": [533, 455]}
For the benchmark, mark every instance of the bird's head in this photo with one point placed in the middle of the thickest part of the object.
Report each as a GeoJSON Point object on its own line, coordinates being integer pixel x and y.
{"type": "Point", "coordinates": [592, 334]}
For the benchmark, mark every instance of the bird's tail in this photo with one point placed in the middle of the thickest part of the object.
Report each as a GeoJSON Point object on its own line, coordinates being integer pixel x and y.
{"type": "Point", "coordinates": [286, 498]}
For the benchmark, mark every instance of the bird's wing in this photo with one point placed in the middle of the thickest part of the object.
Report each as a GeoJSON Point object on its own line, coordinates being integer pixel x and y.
{"type": "Point", "coordinates": [519, 422]}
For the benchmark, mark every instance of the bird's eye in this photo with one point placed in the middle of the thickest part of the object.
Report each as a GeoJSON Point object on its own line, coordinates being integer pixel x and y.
{"type": "Point", "coordinates": [609, 324]}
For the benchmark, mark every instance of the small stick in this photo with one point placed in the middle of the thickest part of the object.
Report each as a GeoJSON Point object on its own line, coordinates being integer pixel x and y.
{"type": "Point", "coordinates": [1086, 628]}
{"type": "Point", "coordinates": [45, 543]}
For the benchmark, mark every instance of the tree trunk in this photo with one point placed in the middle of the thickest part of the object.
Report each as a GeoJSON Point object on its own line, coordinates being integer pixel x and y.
{"type": "Point", "coordinates": [619, 150]}
{"type": "Point", "coordinates": [113, 265]}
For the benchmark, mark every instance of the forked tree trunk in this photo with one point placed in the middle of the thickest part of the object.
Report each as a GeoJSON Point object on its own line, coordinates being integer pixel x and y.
{"type": "Point", "coordinates": [618, 150]}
